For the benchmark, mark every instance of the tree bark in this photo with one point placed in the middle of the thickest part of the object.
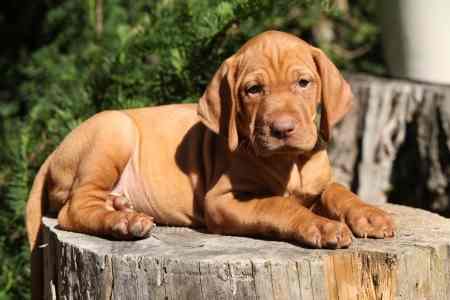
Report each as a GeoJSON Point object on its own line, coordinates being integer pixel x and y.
{"type": "Point", "coordinates": [395, 144]}
{"type": "Point", "coordinates": [180, 263]}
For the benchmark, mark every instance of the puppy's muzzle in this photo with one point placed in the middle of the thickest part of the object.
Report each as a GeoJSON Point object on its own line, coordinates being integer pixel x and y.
{"type": "Point", "coordinates": [283, 126]}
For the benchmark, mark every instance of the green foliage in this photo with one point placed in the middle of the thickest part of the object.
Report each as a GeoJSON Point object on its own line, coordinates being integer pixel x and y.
{"type": "Point", "coordinates": [140, 53]}
{"type": "Point", "coordinates": [14, 253]}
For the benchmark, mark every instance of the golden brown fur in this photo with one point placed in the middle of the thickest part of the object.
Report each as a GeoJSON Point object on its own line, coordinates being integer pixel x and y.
{"type": "Point", "coordinates": [244, 161]}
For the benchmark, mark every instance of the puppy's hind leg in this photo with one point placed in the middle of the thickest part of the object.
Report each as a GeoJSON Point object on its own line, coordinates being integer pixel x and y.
{"type": "Point", "coordinates": [108, 141]}
{"type": "Point", "coordinates": [126, 228]}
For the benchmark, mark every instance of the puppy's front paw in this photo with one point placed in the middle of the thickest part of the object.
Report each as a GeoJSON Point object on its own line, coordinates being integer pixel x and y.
{"type": "Point", "coordinates": [369, 221]}
{"type": "Point", "coordinates": [324, 233]}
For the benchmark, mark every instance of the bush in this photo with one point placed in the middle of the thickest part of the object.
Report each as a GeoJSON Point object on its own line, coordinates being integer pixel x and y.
{"type": "Point", "coordinates": [96, 55]}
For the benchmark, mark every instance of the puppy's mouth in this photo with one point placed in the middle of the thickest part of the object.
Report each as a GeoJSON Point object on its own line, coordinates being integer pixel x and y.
{"type": "Point", "coordinates": [266, 143]}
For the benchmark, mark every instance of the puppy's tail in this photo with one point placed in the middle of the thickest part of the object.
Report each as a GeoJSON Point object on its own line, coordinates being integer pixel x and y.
{"type": "Point", "coordinates": [35, 205]}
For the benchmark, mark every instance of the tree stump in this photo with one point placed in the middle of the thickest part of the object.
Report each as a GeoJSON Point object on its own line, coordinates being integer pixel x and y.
{"type": "Point", "coordinates": [394, 145]}
{"type": "Point", "coordinates": [180, 263]}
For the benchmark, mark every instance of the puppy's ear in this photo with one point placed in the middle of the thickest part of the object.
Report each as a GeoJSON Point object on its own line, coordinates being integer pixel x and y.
{"type": "Point", "coordinates": [336, 95]}
{"type": "Point", "coordinates": [217, 106]}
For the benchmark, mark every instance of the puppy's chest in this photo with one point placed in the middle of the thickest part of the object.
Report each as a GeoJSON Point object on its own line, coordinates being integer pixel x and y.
{"type": "Point", "coordinates": [307, 183]}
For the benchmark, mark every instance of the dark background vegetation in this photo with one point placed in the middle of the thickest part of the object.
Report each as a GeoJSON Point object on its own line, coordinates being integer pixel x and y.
{"type": "Point", "coordinates": [62, 61]}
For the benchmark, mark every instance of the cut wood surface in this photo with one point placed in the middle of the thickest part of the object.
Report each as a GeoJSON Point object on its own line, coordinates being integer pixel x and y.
{"type": "Point", "coordinates": [180, 263]}
{"type": "Point", "coordinates": [395, 144]}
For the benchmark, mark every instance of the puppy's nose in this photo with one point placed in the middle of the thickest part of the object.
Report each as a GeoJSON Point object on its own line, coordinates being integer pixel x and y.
{"type": "Point", "coordinates": [283, 126]}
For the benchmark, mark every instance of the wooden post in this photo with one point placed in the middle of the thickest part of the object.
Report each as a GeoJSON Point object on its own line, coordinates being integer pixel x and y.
{"type": "Point", "coordinates": [180, 263]}
{"type": "Point", "coordinates": [395, 144]}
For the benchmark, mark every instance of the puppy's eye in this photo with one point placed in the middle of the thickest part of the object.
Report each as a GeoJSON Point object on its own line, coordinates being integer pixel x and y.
{"type": "Point", "coordinates": [255, 89]}
{"type": "Point", "coordinates": [303, 83]}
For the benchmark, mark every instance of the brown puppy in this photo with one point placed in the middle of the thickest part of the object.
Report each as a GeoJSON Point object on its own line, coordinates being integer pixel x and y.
{"type": "Point", "coordinates": [247, 160]}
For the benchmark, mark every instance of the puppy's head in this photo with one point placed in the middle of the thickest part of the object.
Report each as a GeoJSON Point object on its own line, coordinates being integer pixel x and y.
{"type": "Point", "coordinates": [270, 93]}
